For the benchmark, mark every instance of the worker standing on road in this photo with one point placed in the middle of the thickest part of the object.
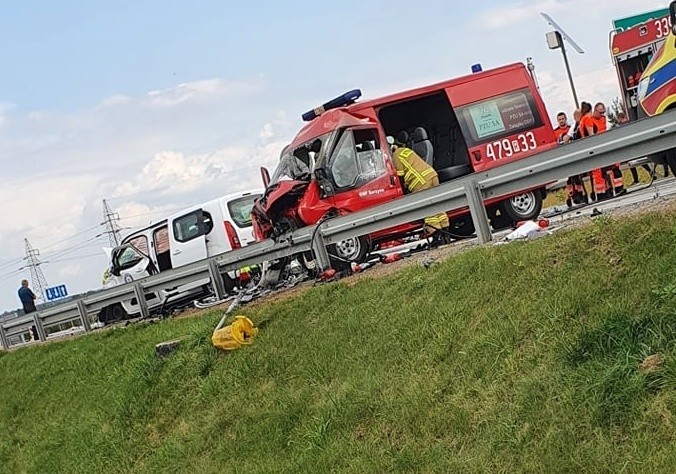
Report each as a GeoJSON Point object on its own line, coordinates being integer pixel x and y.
{"type": "Point", "coordinates": [417, 176]}
{"type": "Point", "coordinates": [575, 190]}
{"type": "Point", "coordinates": [592, 124]}
{"type": "Point", "coordinates": [612, 173]}
{"type": "Point", "coordinates": [562, 132]}
{"type": "Point", "coordinates": [27, 297]}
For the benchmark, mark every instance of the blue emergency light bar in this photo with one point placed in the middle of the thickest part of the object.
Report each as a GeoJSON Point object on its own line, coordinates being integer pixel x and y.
{"type": "Point", "coordinates": [340, 101]}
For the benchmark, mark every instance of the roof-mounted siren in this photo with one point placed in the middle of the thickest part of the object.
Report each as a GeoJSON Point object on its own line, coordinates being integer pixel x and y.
{"type": "Point", "coordinates": [340, 101]}
{"type": "Point", "coordinates": [476, 68]}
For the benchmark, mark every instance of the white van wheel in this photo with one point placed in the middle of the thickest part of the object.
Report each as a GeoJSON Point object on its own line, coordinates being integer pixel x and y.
{"type": "Point", "coordinates": [350, 250]}
{"type": "Point", "coordinates": [523, 207]}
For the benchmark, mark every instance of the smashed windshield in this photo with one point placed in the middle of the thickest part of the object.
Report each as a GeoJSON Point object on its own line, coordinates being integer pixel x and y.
{"type": "Point", "coordinates": [297, 164]}
{"type": "Point", "coordinates": [126, 256]}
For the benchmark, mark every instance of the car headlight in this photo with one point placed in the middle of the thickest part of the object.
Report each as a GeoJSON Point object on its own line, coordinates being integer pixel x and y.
{"type": "Point", "coordinates": [642, 89]}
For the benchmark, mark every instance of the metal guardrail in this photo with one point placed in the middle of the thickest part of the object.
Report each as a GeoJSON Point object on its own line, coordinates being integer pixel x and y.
{"type": "Point", "coordinates": [631, 141]}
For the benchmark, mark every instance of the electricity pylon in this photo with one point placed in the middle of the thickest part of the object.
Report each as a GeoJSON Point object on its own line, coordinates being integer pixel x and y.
{"type": "Point", "coordinates": [37, 277]}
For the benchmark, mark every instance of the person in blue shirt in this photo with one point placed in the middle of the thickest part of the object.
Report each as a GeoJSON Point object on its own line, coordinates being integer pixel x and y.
{"type": "Point", "coordinates": [27, 297]}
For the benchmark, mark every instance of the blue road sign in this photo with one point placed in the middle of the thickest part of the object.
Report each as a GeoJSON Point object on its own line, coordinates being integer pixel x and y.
{"type": "Point", "coordinates": [56, 292]}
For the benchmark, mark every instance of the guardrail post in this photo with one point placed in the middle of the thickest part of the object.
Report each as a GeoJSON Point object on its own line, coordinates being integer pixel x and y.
{"type": "Point", "coordinates": [478, 211]}
{"type": "Point", "coordinates": [3, 338]}
{"type": "Point", "coordinates": [319, 249]}
{"type": "Point", "coordinates": [217, 279]}
{"type": "Point", "coordinates": [42, 335]}
{"type": "Point", "coordinates": [141, 299]}
{"type": "Point", "coordinates": [83, 315]}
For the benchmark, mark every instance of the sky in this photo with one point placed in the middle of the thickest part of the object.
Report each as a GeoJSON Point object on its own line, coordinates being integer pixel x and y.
{"type": "Point", "coordinates": [156, 106]}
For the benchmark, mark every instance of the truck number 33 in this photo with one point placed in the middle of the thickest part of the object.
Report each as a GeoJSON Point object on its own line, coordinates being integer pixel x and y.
{"type": "Point", "coordinates": [505, 148]}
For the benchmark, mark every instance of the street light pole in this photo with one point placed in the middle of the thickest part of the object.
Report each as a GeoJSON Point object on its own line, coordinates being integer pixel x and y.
{"type": "Point", "coordinates": [570, 76]}
{"type": "Point", "coordinates": [555, 40]}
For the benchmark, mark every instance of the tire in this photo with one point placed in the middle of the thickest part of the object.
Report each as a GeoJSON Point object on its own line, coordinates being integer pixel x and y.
{"type": "Point", "coordinates": [347, 251]}
{"type": "Point", "coordinates": [111, 314]}
{"type": "Point", "coordinates": [462, 226]}
{"type": "Point", "coordinates": [522, 207]}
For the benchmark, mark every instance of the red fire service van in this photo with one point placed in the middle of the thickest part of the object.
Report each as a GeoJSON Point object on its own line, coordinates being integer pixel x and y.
{"type": "Point", "coordinates": [340, 161]}
{"type": "Point", "coordinates": [632, 49]}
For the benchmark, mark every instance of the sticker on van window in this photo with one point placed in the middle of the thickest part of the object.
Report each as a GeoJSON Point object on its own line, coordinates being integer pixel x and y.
{"type": "Point", "coordinates": [499, 117]}
{"type": "Point", "coordinates": [486, 118]}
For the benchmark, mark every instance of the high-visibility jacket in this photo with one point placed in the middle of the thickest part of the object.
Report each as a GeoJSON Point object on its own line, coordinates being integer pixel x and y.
{"type": "Point", "coordinates": [586, 123]}
{"type": "Point", "coordinates": [418, 175]}
{"type": "Point", "coordinates": [416, 172]}
{"type": "Point", "coordinates": [559, 132]}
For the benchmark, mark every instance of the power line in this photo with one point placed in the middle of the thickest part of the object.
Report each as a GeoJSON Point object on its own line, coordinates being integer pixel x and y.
{"type": "Point", "coordinates": [80, 246]}
{"type": "Point", "coordinates": [71, 237]}
{"type": "Point", "coordinates": [13, 272]}
{"type": "Point", "coordinates": [11, 263]}
{"type": "Point", "coordinates": [15, 261]}
{"type": "Point", "coordinates": [97, 254]}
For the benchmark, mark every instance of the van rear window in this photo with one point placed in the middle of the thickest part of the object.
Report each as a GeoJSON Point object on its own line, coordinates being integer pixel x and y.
{"type": "Point", "coordinates": [141, 243]}
{"type": "Point", "coordinates": [499, 116]}
{"type": "Point", "coordinates": [240, 210]}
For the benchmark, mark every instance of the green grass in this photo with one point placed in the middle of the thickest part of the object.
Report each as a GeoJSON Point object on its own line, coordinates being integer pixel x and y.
{"type": "Point", "coordinates": [516, 358]}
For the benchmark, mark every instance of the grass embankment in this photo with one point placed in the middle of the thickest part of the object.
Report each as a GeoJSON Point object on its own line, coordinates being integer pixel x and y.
{"type": "Point", "coordinates": [523, 357]}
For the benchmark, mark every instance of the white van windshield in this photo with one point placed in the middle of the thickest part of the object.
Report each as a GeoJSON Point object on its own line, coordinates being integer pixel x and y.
{"type": "Point", "coordinates": [240, 210]}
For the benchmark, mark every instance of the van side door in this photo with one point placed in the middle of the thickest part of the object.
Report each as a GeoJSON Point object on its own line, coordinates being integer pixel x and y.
{"type": "Point", "coordinates": [187, 237]}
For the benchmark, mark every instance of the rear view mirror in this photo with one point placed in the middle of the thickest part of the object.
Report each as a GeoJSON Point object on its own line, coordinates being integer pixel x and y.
{"type": "Point", "coordinates": [265, 176]}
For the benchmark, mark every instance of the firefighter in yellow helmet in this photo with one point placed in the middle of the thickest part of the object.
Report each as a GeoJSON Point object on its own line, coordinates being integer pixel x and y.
{"type": "Point", "coordinates": [418, 175]}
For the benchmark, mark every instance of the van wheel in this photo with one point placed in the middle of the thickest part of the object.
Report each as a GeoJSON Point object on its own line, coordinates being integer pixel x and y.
{"type": "Point", "coordinates": [523, 207]}
{"type": "Point", "coordinates": [462, 226]}
{"type": "Point", "coordinates": [111, 314]}
{"type": "Point", "coordinates": [349, 250]}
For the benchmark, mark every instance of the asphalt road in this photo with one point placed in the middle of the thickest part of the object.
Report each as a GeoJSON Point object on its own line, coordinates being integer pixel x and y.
{"type": "Point", "coordinates": [636, 195]}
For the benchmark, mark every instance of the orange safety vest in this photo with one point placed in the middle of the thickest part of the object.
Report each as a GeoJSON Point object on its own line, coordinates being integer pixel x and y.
{"type": "Point", "coordinates": [559, 132]}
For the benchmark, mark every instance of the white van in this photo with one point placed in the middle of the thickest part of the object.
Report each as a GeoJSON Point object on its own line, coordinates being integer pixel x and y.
{"type": "Point", "coordinates": [195, 233]}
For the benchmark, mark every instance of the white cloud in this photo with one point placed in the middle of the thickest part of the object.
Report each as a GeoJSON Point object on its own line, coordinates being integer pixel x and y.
{"type": "Point", "coordinates": [199, 90]}
{"type": "Point", "coordinates": [133, 214]}
{"type": "Point", "coordinates": [4, 108]}
{"type": "Point", "coordinates": [71, 270]}
{"type": "Point", "coordinates": [267, 131]}
{"type": "Point", "coordinates": [174, 171]}
{"type": "Point", "coordinates": [117, 99]}
{"type": "Point", "coordinates": [44, 207]}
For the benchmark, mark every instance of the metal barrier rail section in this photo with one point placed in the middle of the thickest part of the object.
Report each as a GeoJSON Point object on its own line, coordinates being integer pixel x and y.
{"type": "Point", "coordinates": [635, 140]}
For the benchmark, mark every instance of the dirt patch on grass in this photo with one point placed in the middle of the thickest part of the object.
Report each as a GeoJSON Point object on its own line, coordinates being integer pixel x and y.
{"type": "Point", "coordinates": [651, 363]}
